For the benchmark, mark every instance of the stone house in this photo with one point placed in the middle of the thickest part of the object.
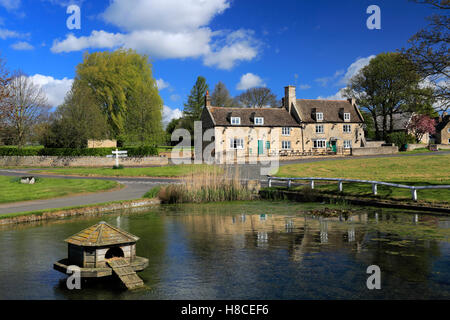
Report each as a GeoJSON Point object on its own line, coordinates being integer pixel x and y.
{"type": "Point", "coordinates": [298, 127]}
{"type": "Point", "coordinates": [443, 129]}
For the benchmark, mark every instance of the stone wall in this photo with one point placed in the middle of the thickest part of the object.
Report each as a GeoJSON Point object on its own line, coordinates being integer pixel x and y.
{"type": "Point", "coordinates": [414, 146]}
{"type": "Point", "coordinates": [374, 151]}
{"type": "Point", "coordinates": [102, 144]}
{"type": "Point", "coordinates": [374, 144]}
{"type": "Point", "coordinates": [48, 161]}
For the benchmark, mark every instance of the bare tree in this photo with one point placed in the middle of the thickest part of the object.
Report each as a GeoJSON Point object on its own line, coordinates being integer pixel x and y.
{"type": "Point", "coordinates": [258, 98]}
{"type": "Point", "coordinates": [221, 96]}
{"type": "Point", "coordinates": [24, 107]}
{"type": "Point", "coordinates": [429, 51]}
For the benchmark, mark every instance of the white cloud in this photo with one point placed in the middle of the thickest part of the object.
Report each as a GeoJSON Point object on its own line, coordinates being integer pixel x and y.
{"type": "Point", "coordinates": [304, 87]}
{"type": "Point", "coordinates": [352, 70]}
{"type": "Point", "coordinates": [250, 80]}
{"type": "Point", "coordinates": [167, 15]}
{"type": "Point", "coordinates": [169, 29]}
{"type": "Point", "coordinates": [162, 84]}
{"type": "Point", "coordinates": [55, 89]}
{"type": "Point", "coordinates": [325, 80]}
{"type": "Point", "coordinates": [10, 4]}
{"type": "Point", "coordinates": [5, 34]}
{"type": "Point", "coordinates": [240, 46]}
{"type": "Point", "coordinates": [169, 114]}
{"type": "Point", "coordinates": [22, 45]}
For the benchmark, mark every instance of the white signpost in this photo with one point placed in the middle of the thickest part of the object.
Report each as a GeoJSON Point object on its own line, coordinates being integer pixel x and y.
{"type": "Point", "coordinates": [118, 154]}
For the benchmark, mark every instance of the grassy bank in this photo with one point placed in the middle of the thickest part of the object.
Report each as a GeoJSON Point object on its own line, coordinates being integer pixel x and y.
{"type": "Point", "coordinates": [426, 170]}
{"type": "Point", "coordinates": [165, 171]}
{"type": "Point", "coordinates": [11, 190]}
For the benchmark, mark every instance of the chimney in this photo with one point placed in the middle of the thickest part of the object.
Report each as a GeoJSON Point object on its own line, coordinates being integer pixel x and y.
{"type": "Point", "coordinates": [207, 100]}
{"type": "Point", "coordinates": [289, 98]}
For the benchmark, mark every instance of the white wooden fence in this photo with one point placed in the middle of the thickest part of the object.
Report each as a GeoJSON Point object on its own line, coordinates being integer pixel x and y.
{"type": "Point", "coordinates": [373, 183]}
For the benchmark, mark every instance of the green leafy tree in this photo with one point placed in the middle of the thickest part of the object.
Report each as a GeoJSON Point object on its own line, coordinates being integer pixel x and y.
{"type": "Point", "coordinates": [118, 80]}
{"type": "Point", "coordinates": [388, 85]}
{"type": "Point", "coordinates": [221, 96]}
{"type": "Point", "coordinates": [77, 120]}
{"type": "Point", "coordinates": [143, 123]}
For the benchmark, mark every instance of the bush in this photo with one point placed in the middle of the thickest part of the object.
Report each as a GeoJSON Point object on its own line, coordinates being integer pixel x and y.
{"type": "Point", "coordinates": [69, 152]}
{"type": "Point", "coordinates": [400, 139]}
{"type": "Point", "coordinates": [119, 167]}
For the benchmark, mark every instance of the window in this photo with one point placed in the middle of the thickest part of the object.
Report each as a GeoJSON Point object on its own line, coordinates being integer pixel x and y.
{"type": "Point", "coordinates": [259, 121]}
{"type": "Point", "coordinates": [347, 128]}
{"type": "Point", "coordinates": [347, 144]}
{"type": "Point", "coordinates": [448, 130]}
{"type": "Point", "coordinates": [236, 143]}
{"type": "Point", "coordinates": [268, 145]}
{"type": "Point", "coordinates": [320, 144]}
{"type": "Point", "coordinates": [319, 129]}
{"type": "Point", "coordinates": [285, 145]}
{"type": "Point", "coordinates": [346, 116]}
{"type": "Point", "coordinates": [235, 120]}
{"type": "Point", "coordinates": [319, 116]}
{"type": "Point", "coordinates": [286, 131]}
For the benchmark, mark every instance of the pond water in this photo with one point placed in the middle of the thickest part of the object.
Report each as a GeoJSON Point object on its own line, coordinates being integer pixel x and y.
{"type": "Point", "coordinates": [248, 250]}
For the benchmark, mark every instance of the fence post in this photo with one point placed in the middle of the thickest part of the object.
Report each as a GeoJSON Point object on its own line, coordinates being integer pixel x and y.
{"type": "Point", "coordinates": [312, 184]}
{"type": "Point", "coordinates": [374, 188]}
{"type": "Point", "coordinates": [340, 186]}
{"type": "Point", "coordinates": [414, 194]}
{"type": "Point", "coordinates": [289, 183]}
{"type": "Point", "coordinates": [270, 182]}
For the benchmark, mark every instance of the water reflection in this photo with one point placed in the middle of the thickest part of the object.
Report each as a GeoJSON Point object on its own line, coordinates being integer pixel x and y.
{"type": "Point", "coordinates": [244, 251]}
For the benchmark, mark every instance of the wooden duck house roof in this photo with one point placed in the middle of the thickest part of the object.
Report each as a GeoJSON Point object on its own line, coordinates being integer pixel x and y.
{"type": "Point", "coordinates": [101, 234]}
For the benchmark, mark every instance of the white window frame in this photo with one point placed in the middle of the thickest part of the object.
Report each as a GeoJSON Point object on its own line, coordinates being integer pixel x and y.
{"type": "Point", "coordinates": [284, 130]}
{"type": "Point", "coordinates": [259, 121]}
{"type": "Point", "coordinates": [347, 126]}
{"type": "Point", "coordinates": [286, 145]}
{"type": "Point", "coordinates": [347, 116]}
{"type": "Point", "coordinates": [320, 126]}
{"type": "Point", "coordinates": [235, 121]}
{"type": "Point", "coordinates": [236, 143]}
{"type": "Point", "coordinates": [347, 144]}
{"type": "Point", "coordinates": [323, 144]}
{"type": "Point", "coordinates": [319, 116]}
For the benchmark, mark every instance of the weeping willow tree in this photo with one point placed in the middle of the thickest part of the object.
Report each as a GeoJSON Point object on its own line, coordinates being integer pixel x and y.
{"type": "Point", "coordinates": [124, 87]}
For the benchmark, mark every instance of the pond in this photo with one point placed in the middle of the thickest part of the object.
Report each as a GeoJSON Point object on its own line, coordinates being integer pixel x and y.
{"type": "Point", "coordinates": [244, 250]}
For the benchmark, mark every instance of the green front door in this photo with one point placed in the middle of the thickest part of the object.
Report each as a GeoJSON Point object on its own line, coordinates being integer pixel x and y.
{"type": "Point", "coordinates": [260, 147]}
{"type": "Point", "coordinates": [333, 146]}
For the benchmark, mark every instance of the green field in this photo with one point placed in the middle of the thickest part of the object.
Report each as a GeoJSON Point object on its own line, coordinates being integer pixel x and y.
{"type": "Point", "coordinates": [416, 170]}
{"type": "Point", "coordinates": [11, 190]}
{"type": "Point", "coordinates": [165, 171]}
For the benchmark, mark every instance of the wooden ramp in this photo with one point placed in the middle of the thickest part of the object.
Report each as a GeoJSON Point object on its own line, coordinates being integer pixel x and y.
{"type": "Point", "coordinates": [126, 274]}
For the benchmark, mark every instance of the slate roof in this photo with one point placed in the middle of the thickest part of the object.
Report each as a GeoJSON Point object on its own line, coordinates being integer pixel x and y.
{"type": "Point", "coordinates": [401, 121]}
{"type": "Point", "coordinates": [273, 117]}
{"type": "Point", "coordinates": [332, 110]}
{"type": "Point", "coordinates": [101, 234]}
{"type": "Point", "coordinates": [442, 124]}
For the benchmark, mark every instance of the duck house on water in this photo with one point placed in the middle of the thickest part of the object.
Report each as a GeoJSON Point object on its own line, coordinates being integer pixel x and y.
{"type": "Point", "coordinates": [104, 251]}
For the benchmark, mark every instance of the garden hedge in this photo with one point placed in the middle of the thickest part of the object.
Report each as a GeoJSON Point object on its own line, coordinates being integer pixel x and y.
{"type": "Point", "coordinates": [68, 152]}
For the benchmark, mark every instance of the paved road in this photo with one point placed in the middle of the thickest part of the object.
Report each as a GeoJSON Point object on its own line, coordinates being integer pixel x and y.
{"type": "Point", "coordinates": [134, 189]}
{"type": "Point", "coordinates": [137, 187]}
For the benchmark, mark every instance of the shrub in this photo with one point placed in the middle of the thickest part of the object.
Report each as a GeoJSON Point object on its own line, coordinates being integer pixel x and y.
{"type": "Point", "coordinates": [400, 138]}
{"type": "Point", "coordinates": [119, 167]}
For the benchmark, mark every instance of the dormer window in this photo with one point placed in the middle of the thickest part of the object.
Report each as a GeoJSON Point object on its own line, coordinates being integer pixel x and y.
{"type": "Point", "coordinates": [346, 116]}
{"type": "Point", "coordinates": [259, 121]}
{"type": "Point", "coordinates": [319, 116]}
{"type": "Point", "coordinates": [235, 120]}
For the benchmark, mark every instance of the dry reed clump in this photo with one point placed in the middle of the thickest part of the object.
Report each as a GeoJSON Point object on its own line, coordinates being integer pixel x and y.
{"type": "Point", "coordinates": [206, 186]}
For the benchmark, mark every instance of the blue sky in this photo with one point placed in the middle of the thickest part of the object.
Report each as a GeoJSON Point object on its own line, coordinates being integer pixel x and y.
{"type": "Point", "coordinates": [316, 45]}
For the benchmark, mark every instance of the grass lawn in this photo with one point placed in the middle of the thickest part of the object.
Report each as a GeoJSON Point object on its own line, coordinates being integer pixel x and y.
{"type": "Point", "coordinates": [11, 190]}
{"type": "Point", "coordinates": [165, 171]}
{"type": "Point", "coordinates": [426, 170]}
